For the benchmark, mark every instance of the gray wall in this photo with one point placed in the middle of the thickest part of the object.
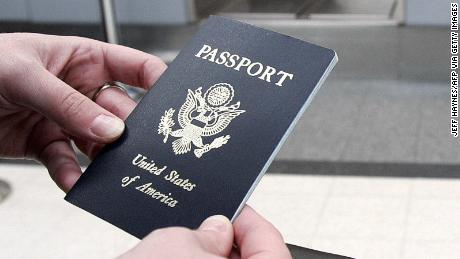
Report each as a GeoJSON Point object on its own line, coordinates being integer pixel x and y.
{"type": "Point", "coordinates": [87, 11]}
{"type": "Point", "coordinates": [417, 12]}
{"type": "Point", "coordinates": [154, 11]}
{"type": "Point", "coordinates": [428, 12]}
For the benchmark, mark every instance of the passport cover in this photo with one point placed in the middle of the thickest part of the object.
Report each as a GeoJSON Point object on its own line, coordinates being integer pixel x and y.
{"type": "Point", "coordinates": [200, 140]}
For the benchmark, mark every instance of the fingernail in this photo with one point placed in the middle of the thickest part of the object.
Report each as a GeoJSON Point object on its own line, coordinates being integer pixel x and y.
{"type": "Point", "coordinates": [107, 127]}
{"type": "Point", "coordinates": [215, 223]}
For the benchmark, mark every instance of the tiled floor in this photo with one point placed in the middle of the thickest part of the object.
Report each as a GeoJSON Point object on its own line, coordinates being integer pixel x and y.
{"type": "Point", "coordinates": [356, 216]}
{"type": "Point", "coordinates": [365, 217]}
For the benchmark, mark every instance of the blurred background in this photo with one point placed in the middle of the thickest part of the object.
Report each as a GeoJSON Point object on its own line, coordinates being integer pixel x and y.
{"type": "Point", "coordinates": [370, 171]}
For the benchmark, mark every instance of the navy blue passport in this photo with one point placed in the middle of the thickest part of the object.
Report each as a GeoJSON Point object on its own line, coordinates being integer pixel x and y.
{"type": "Point", "coordinates": [199, 142]}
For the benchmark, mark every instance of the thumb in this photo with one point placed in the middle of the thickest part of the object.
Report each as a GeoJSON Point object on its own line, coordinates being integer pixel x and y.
{"type": "Point", "coordinates": [74, 112]}
{"type": "Point", "coordinates": [213, 238]}
{"type": "Point", "coordinates": [216, 235]}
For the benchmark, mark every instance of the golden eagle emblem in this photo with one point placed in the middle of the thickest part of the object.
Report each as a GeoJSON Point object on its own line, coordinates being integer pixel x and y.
{"type": "Point", "coordinates": [201, 116]}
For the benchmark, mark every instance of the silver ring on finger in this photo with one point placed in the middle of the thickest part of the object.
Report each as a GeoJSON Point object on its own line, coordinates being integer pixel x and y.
{"type": "Point", "coordinates": [108, 85]}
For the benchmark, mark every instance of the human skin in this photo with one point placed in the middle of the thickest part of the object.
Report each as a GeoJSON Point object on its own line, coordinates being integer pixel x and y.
{"type": "Point", "coordinates": [253, 236]}
{"type": "Point", "coordinates": [47, 85]}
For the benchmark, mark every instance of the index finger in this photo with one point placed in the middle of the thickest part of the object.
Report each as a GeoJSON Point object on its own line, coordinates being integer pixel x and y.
{"type": "Point", "coordinates": [131, 66]}
{"type": "Point", "coordinates": [257, 238]}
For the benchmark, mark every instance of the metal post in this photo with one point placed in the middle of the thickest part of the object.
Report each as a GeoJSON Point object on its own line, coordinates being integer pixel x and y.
{"type": "Point", "coordinates": [109, 22]}
{"type": "Point", "coordinates": [5, 190]}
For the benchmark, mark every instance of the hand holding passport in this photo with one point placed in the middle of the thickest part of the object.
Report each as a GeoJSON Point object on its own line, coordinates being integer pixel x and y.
{"type": "Point", "coordinates": [251, 236]}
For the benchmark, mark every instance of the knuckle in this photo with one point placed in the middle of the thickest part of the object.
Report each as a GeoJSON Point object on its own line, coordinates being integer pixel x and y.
{"type": "Point", "coordinates": [73, 103]}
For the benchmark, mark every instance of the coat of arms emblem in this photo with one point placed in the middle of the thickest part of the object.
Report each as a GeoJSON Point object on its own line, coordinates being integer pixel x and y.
{"type": "Point", "coordinates": [201, 116]}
